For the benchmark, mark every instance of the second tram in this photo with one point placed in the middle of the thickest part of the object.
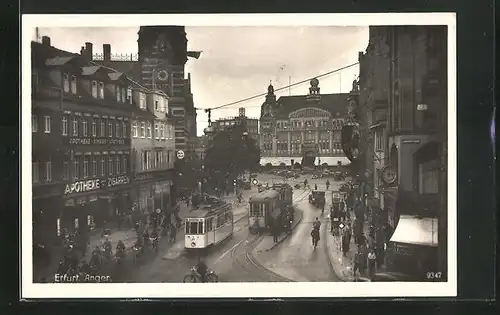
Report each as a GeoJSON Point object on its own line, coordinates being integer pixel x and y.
{"type": "Point", "coordinates": [270, 205]}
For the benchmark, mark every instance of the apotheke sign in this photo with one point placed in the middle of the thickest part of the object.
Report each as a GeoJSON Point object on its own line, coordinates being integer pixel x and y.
{"type": "Point", "coordinates": [95, 184]}
{"type": "Point", "coordinates": [97, 141]}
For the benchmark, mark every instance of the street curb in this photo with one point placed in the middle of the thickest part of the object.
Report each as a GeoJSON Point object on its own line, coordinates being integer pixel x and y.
{"type": "Point", "coordinates": [338, 274]}
{"type": "Point", "coordinates": [289, 233]}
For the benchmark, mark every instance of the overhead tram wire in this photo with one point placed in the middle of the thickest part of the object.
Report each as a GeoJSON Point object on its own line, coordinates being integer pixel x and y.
{"type": "Point", "coordinates": [278, 89]}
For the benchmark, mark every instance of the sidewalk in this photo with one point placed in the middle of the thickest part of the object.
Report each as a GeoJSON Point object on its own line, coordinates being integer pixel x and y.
{"type": "Point", "coordinates": [268, 243]}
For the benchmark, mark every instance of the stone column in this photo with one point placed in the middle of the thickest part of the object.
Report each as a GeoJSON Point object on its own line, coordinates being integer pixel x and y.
{"type": "Point", "coordinates": [330, 141]}
{"type": "Point", "coordinates": [289, 143]}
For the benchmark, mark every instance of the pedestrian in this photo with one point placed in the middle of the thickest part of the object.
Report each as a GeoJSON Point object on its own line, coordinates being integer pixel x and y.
{"type": "Point", "coordinates": [173, 233]}
{"type": "Point", "coordinates": [358, 257]}
{"type": "Point", "coordinates": [346, 240]}
{"type": "Point", "coordinates": [187, 201]}
{"type": "Point", "coordinates": [371, 263]}
{"type": "Point", "coordinates": [275, 231]}
{"type": "Point", "coordinates": [315, 187]}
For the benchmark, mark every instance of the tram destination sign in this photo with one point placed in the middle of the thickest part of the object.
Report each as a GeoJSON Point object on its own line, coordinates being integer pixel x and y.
{"type": "Point", "coordinates": [97, 141]}
{"type": "Point", "coordinates": [95, 184]}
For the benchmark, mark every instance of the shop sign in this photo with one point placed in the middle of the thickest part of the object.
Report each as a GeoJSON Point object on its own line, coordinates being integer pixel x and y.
{"type": "Point", "coordinates": [96, 141]}
{"type": "Point", "coordinates": [118, 180]}
{"type": "Point", "coordinates": [82, 186]}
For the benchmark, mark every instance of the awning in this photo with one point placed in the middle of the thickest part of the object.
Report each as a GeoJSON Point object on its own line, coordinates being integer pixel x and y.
{"type": "Point", "coordinates": [416, 230]}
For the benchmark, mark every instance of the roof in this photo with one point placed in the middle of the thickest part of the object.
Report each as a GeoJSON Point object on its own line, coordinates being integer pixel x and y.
{"type": "Point", "coordinates": [131, 69]}
{"type": "Point", "coordinates": [333, 103]}
{"type": "Point", "coordinates": [207, 210]}
{"type": "Point", "coordinates": [58, 61]}
{"type": "Point", "coordinates": [262, 196]}
{"type": "Point", "coordinates": [90, 70]}
{"type": "Point", "coordinates": [113, 76]}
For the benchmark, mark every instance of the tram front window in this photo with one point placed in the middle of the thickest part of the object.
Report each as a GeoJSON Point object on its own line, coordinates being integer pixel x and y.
{"type": "Point", "coordinates": [257, 210]}
{"type": "Point", "coordinates": [194, 228]}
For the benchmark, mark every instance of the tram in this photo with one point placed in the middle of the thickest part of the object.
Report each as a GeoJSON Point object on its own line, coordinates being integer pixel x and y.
{"type": "Point", "coordinates": [270, 205]}
{"type": "Point", "coordinates": [208, 226]}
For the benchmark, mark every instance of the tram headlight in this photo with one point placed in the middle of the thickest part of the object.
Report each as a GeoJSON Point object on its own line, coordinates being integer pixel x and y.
{"type": "Point", "coordinates": [193, 244]}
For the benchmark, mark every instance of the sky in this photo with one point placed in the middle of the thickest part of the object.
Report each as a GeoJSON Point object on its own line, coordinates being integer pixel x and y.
{"type": "Point", "coordinates": [239, 62]}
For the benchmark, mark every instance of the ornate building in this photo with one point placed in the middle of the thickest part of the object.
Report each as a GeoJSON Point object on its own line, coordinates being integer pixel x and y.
{"type": "Point", "coordinates": [252, 124]}
{"type": "Point", "coordinates": [302, 125]}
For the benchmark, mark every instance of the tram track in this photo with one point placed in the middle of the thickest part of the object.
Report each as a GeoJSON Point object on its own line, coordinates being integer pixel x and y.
{"type": "Point", "coordinates": [247, 267]}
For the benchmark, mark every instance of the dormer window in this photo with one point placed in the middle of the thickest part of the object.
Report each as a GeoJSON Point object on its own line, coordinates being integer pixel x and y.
{"type": "Point", "coordinates": [129, 95]}
{"type": "Point", "coordinates": [124, 95]}
{"type": "Point", "coordinates": [142, 100]}
{"type": "Point", "coordinates": [66, 82]}
{"type": "Point", "coordinates": [101, 90]}
{"type": "Point", "coordinates": [157, 106]}
{"type": "Point", "coordinates": [118, 94]}
{"type": "Point", "coordinates": [94, 89]}
{"type": "Point", "coordinates": [73, 84]}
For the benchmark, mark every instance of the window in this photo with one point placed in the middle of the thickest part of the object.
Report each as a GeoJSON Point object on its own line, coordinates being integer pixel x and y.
{"type": "Point", "coordinates": [143, 129]}
{"type": "Point", "coordinates": [75, 168]}
{"type": "Point", "coordinates": [66, 171]}
{"type": "Point", "coordinates": [103, 128]}
{"type": "Point", "coordinates": [124, 130]}
{"type": "Point", "coordinates": [47, 124]}
{"type": "Point", "coordinates": [118, 129]}
{"type": "Point", "coordinates": [110, 128]}
{"type": "Point", "coordinates": [157, 133]}
{"type": "Point", "coordinates": [75, 126]}
{"type": "Point", "coordinates": [157, 106]}
{"type": "Point", "coordinates": [85, 167]}
{"type": "Point", "coordinates": [124, 95]}
{"type": "Point", "coordinates": [162, 131]}
{"type": "Point", "coordinates": [35, 170]}
{"type": "Point", "coordinates": [428, 177]}
{"type": "Point", "coordinates": [94, 89]}
{"type": "Point", "coordinates": [102, 165]}
{"type": "Point", "coordinates": [73, 84]}
{"type": "Point", "coordinates": [118, 171]}
{"type": "Point", "coordinates": [125, 164]}
{"type": "Point", "coordinates": [110, 165]}
{"type": "Point", "coordinates": [142, 100]}
{"type": "Point", "coordinates": [94, 127]}
{"type": "Point", "coordinates": [34, 123]}
{"type": "Point", "coordinates": [118, 94]}
{"type": "Point", "coordinates": [149, 130]}
{"type": "Point", "coordinates": [101, 90]}
{"type": "Point", "coordinates": [84, 127]}
{"type": "Point", "coordinates": [66, 82]}
{"type": "Point", "coordinates": [94, 166]}
{"type": "Point", "coordinates": [64, 125]}
{"type": "Point", "coordinates": [194, 228]}
{"type": "Point", "coordinates": [134, 129]}
{"type": "Point", "coordinates": [129, 95]}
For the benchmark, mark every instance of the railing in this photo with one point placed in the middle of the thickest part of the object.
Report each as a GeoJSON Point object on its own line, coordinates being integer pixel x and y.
{"type": "Point", "coordinates": [117, 57]}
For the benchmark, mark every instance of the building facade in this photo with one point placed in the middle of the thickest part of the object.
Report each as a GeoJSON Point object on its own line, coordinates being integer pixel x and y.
{"type": "Point", "coordinates": [81, 143]}
{"type": "Point", "coordinates": [403, 102]}
{"type": "Point", "coordinates": [252, 124]}
{"type": "Point", "coordinates": [153, 150]}
{"type": "Point", "coordinates": [159, 65]}
{"type": "Point", "coordinates": [293, 126]}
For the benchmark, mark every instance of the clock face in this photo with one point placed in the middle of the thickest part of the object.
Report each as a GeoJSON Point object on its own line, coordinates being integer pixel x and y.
{"type": "Point", "coordinates": [389, 175]}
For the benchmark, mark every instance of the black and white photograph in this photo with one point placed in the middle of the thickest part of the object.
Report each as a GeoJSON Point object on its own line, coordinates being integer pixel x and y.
{"type": "Point", "coordinates": [264, 155]}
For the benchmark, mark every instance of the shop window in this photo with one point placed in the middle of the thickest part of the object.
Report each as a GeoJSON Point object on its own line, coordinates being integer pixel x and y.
{"type": "Point", "coordinates": [429, 177]}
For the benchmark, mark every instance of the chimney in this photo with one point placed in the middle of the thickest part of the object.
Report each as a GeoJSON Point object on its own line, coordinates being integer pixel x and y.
{"type": "Point", "coordinates": [88, 51]}
{"type": "Point", "coordinates": [106, 51]}
{"type": "Point", "coordinates": [46, 40]}
{"type": "Point", "coordinates": [82, 51]}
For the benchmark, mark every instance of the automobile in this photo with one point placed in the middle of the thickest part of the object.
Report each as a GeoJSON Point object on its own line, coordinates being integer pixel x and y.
{"type": "Point", "coordinates": [338, 176]}
{"type": "Point", "coordinates": [317, 198]}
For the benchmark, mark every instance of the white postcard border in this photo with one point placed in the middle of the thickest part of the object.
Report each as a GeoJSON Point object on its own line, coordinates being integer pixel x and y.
{"type": "Point", "coordinates": [252, 290]}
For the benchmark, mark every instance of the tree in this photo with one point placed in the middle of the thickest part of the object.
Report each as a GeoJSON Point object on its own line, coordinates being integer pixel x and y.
{"type": "Point", "coordinates": [231, 153]}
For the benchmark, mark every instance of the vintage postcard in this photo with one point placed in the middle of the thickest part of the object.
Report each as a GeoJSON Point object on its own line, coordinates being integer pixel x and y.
{"type": "Point", "coordinates": [263, 155]}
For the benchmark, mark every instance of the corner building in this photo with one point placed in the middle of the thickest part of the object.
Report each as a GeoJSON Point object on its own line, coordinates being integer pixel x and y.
{"type": "Point", "coordinates": [81, 156]}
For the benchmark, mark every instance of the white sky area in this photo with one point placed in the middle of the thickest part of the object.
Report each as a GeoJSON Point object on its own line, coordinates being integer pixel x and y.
{"type": "Point", "coordinates": [239, 62]}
